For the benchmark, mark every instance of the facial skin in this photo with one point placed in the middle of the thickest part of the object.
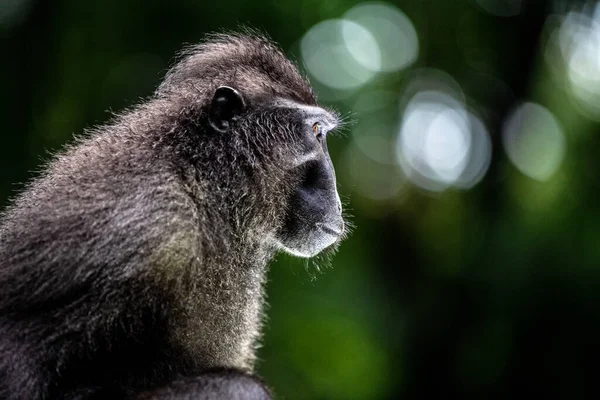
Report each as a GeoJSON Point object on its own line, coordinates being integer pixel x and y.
{"type": "Point", "coordinates": [314, 219]}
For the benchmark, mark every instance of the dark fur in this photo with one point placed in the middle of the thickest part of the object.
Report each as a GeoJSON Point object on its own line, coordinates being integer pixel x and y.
{"type": "Point", "coordinates": [138, 256]}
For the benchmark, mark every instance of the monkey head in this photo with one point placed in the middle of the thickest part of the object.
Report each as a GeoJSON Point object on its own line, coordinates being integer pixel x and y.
{"type": "Point", "coordinates": [262, 139]}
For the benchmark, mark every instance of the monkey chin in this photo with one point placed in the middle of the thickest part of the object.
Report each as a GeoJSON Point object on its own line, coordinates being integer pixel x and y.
{"type": "Point", "coordinates": [310, 247]}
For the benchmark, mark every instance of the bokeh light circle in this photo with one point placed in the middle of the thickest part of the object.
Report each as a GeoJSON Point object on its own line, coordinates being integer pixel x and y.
{"type": "Point", "coordinates": [394, 32]}
{"type": "Point", "coordinates": [440, 144]}
{"type": "Point", "coordinates": [534, 141]}
{"type": "Point", "coordinates": [340, 54]}
{"type": "Point", "coordinates": [579, 44]}
{"type": "Point", "coordinates": [434, 140]}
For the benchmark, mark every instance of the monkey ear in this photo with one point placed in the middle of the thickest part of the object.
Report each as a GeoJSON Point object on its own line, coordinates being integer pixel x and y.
{"type": "Point", "coordinates": [226, 104]}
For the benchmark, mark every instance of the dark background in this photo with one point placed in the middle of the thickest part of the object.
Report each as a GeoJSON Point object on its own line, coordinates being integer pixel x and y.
{"type": "Point", "coordinates": [489, 290]}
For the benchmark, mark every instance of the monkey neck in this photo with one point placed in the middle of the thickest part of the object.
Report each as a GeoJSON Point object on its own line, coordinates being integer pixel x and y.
{"type": "Point", "coordinates": [218, 324]}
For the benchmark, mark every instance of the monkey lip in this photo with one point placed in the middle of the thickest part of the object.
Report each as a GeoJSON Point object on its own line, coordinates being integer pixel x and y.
{"type": "Point", "coordinates": [330, 230]}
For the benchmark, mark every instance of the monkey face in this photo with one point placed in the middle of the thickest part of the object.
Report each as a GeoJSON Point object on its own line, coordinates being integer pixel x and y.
{"type": "Point", "coordinates": [313, 221]}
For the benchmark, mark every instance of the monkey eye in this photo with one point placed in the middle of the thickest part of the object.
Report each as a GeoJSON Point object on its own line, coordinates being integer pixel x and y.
{"type": "Point", "coordinates": [317, 129]}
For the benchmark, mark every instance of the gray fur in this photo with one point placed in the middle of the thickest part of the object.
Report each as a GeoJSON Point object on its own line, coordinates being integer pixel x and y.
{"type": "Point", "coordinates": [139, 255]}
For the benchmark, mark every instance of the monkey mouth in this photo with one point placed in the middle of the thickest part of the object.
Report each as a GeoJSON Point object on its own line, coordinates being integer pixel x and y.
{"type": "Point", "coordinates": [330, 230]}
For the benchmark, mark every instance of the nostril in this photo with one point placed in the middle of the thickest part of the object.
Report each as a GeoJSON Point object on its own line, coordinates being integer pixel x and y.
{"type": "Point", "coordinates": [311, 175]}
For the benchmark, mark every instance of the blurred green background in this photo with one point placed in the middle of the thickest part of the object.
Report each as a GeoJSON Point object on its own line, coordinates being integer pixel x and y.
{"type": "Point", "coordinates": [471, 173]}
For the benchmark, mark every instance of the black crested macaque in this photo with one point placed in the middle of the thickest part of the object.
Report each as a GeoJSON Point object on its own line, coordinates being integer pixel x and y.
{"type": "Point", "coordinates": [134, 265]}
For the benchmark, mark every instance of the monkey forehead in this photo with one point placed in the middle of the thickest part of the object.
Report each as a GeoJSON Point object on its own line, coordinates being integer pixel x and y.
{"type": "Point", "coordinates": [311, 113]}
